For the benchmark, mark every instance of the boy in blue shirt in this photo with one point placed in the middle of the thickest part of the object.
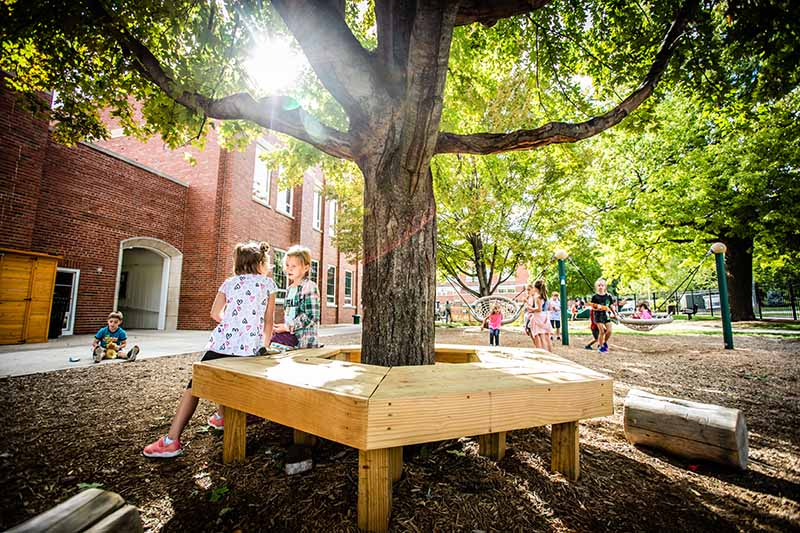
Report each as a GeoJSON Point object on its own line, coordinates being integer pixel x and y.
{"type": "Point", "coordinates": [113, 334]}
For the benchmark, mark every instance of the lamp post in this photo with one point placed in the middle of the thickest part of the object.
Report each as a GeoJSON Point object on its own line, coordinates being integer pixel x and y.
{"type": "Point", "coordinates": [718, 249]}
{"type": "Point", "coordinates": [561, 255]}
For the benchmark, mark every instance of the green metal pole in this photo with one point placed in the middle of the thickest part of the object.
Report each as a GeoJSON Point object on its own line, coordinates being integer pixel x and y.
{"type": "Point", "coordinates": [561, 255]}
{"type": "Point", "coordinates": [562, 281]}
{"type": "Point", "coordinates": [719, 249]}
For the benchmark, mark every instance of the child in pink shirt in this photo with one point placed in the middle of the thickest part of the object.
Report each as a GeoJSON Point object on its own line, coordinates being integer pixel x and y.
{"type": "Point", "coordinates": [494, 320]}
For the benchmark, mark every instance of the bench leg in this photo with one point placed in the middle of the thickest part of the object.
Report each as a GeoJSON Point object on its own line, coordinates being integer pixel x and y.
{"type": "Point", "coordinates": [395, 463]}
{"type": "Point", "coordinates": [566, 450]}
{"type": "Point", "coordinates": [304, 439]}
{"type": "Point", "coordinates": [233, 442]}
{"type": "Point", "coordinates": [492, 445]}
{"type": "Point", "coordinates": [374, 490]}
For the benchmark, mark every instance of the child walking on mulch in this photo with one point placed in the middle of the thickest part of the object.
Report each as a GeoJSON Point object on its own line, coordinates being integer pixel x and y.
{"type": "Point", "coordinates": [244, 308]}
{"type": "Point", "coordinates": [601, 303]}
{"type": "Point", "coordinates": [494, 321]}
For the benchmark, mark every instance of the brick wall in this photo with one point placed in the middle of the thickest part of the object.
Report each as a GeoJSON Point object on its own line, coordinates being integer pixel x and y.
{"type": "Point", "coordinates": [91, 201]}
{"type": "Point", "coordinates": [206, 260]}
{"type": "Point", "coordinates": [221, 211]}
{"type": "Point", "coordinates": [23, 143]}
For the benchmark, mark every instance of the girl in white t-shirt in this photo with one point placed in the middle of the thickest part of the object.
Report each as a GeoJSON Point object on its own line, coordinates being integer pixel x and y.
{"type": "Point", "coordinates": [244, 309]}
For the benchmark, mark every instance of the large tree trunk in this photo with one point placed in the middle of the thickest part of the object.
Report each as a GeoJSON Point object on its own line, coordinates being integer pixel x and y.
{"type": "Point", "coordinates": [739, 266]}
{"type": "Point", "coordinates": [399, 265]}
{"type": "Point", "coordinates": [398, 144]}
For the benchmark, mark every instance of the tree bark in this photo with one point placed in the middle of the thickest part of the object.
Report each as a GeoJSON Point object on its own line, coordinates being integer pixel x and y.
{"type": "Point", "coordinates": [399, 264]}
{"type": "Point", "coordinates": [400, 215]}
{"type": "Point", "coordinates": [739, 267]}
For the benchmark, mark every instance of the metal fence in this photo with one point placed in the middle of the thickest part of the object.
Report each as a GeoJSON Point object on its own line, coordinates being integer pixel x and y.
{"type": "Point", "coordinates": [775, 301]}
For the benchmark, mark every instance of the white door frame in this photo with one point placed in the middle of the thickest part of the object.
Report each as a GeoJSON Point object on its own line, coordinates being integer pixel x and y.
{"type": "Point", "coordinates": [73, 301]}
{"type": "Point", "coordinates": [162, 304]}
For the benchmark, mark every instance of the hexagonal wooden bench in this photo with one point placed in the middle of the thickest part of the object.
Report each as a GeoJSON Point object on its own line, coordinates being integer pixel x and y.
{"type": "Point", "coordinates": [471, 391]}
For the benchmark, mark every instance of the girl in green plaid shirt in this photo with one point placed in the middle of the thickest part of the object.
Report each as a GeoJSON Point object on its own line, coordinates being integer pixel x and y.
{"type": "Point", "coordinates": [301, 305]}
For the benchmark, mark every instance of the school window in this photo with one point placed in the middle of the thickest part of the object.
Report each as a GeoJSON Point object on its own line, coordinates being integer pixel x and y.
{"type": "Point", "coordinates": [317, 210]}
{"type": "Point", "coordinates": [330, 287]}
{"type": "Point", "coordinates": [348, 288]}
{"type": "Point", "coordinates": [314, 273]}
{"type": "Point", "coordinates": [332, 204]}
{"type": "Point", "coordinates": [285, 201]}
{"type": "Point", "coordinates": [261, 178]}
{"type": "Point", "coordinates": [278, 274]}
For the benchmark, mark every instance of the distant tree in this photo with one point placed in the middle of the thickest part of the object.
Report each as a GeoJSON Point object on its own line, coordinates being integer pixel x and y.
{"type": "Point", "coordinates": [700, 174]}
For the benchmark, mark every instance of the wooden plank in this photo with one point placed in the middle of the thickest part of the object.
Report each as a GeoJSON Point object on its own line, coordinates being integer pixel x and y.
{"type": "Point", "coordinates": [338, 417]}
{"type": "Point", "coordinates": [492, 445]}
{"type": "Point", "coordinates": [340, 377]}
{"type": "Point", "coordinates": [75, 514]}
{"type": "Point", "coordinates": [12, 321]}
{"type": "Point", "coordinates": [442, 405]}
{"type": "Point", "coordinates": [304, 439]}
{"type": "Point", "coordinates": [28, 254]}
{"type": "Point", "coordinates": [566, 451]}
{"type": "Point", "coordinates": [15, 277]}
{"type": "Point", "coordinates": [374, 490]}
{"type": "Point", "coordinates": [125, 519]}
{"type": "Point", "coordinates": [235, 438]}
{"type": "Point", "coordinates": [398, 422]}
{"type": "Point", "coordinates": [396, 463]}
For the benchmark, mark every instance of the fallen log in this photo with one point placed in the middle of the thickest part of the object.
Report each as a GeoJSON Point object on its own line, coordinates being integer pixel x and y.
{"type": "Point", "coordinates": [689, 429]}
{"type": "Point", "coordinates": [93, 510]}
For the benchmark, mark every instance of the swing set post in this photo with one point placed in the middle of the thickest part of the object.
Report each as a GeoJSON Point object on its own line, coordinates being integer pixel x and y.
{"type": "Point", "coordinates": [561, 255]}
{"type": "Point", "coordinates": [718, 249]}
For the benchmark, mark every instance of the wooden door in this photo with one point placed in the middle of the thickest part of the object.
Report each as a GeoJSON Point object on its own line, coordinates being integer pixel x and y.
{"type": "Point", "coordinates": [15, 288]}
{"type": "Point", "coordinates": [26, 295]}
{"type": "Point", "coordinates": [43, 281]}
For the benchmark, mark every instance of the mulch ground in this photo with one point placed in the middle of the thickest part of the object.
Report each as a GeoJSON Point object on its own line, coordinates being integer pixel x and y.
{"type": "Point", "coordinates": [88, 426]}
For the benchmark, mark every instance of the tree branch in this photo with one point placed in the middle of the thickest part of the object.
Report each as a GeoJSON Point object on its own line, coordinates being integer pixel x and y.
{"type": "Point", "coordinates": [563, 132]}
{"type": "Point", "coordinates": [345, 68]}
{"type": "Point", "coordinates": [488, 12]}
{"type": "Point", "coordinates": [278, 113]}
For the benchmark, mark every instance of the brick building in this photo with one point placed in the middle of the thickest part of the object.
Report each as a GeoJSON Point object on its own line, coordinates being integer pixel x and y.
{"type": "Point", "coordinates": [140, 229]}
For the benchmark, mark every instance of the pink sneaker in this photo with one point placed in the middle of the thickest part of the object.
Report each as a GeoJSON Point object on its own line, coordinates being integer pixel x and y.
{"type": "Point", "coordinates": [159, 449]}
{"type": "Point", "coordinates": [217, 423]}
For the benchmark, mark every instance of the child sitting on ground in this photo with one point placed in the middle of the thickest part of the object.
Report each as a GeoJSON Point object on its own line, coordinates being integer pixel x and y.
{"type": "Point", "coordinates": [301, 306]}
{"type": "Point", "coordinates": [494, 321]}
{"type": "Point", "coordinates": [112, 336]}
{"type": "Point", "coordinates": [642, 312]}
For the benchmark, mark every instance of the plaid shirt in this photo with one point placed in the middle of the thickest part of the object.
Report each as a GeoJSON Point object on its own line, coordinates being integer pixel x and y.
{"type": "Point", "coordinates": [305, 325]}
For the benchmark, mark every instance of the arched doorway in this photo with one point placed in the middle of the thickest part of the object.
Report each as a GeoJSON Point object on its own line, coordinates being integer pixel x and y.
{"type": "Point", "coordinates": [148, 283]}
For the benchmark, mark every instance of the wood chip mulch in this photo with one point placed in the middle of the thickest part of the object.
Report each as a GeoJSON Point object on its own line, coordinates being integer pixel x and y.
{"type": "Point", "coordinates": [66, 430]}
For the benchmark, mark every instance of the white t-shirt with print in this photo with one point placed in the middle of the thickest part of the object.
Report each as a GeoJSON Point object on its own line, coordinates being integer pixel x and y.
{"type": "Point", "coordinates": [241, 331]}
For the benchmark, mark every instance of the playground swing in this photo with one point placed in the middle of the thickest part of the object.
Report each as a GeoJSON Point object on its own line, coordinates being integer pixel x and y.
{"type": "Point", "coordinates": [482, 307]}
{"type": "Point", "coordinates": [658, 319]}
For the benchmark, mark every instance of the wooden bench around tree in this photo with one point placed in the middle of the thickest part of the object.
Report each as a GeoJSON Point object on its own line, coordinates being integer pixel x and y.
{"type": "Point", "coordinates": [90, 511]}
{"type": "Point", "coordinates": [471, 391]}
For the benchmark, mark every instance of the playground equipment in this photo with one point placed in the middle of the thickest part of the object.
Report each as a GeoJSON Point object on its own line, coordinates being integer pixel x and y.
{"type": "Point", "coordinates": [648, 324]}
{"type": "Point", "coordinates": [482, 307]}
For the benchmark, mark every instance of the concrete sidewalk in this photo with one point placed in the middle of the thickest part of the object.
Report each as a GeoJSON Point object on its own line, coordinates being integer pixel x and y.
{"type": "Point", "coordinates": [22, 359]}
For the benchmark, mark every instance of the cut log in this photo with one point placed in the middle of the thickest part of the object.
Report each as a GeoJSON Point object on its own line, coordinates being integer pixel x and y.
{"type": "Point", "coordinates": [94, 509]}
{"type": "Point", "coordinates": [688, 429]}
